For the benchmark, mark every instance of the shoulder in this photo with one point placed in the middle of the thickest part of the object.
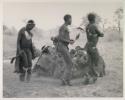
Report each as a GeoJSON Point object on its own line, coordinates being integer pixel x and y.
{"type": "Point", "coordinates": [92, 26]}
{"type": "Point", "coordinates": [64, 27]}
{"type": "Point", "coordinates": [87, 26]}
{"type": "Point", "coordinates": [22, 30]}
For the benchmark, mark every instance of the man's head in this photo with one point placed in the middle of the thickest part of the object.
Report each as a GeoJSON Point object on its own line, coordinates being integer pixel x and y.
{"type": "Point", "coordinates": [91, 17]}
{"type": "Point", "coordinates": [68, 19]}
{"type": "Point", "coordinates": [30, 25]}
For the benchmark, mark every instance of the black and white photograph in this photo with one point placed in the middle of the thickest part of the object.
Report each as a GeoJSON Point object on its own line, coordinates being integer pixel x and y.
{"type": "Point", "coordinates": [66, 49]}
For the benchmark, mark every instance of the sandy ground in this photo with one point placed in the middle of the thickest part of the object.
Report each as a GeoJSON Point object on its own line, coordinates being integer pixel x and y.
{"type": "Point", "coordinates": [109, 86]}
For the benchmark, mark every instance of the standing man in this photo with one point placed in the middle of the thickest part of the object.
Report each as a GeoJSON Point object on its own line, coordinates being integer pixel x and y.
{"type": "Point", "coordinates": [93, 35]}
{"type": "Point", "coordinates": [25, 51]}
{"type": "Point", "coordinates": [62, 47]}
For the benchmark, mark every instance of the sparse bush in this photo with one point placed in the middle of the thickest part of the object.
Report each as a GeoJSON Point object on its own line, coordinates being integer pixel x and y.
{"type": "Point", "coordinates": [113, 35]}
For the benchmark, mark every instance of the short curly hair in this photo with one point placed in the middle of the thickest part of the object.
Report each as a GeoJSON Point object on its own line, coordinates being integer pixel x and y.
{"type": "Point", "coordinates": [30, 21]}
{"type": "Point", "coordinates": [66, 17]}
{"type": "Point", "coordinates": [91, 17]}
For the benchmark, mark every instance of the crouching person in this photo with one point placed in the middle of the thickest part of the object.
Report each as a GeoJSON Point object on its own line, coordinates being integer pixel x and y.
{"type": "Point", "coordinates": [25, 52]}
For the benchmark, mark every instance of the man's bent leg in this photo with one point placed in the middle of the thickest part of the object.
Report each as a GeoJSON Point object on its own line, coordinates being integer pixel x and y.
{"type": "Point", "coordinates": [95, 56]}
{"type": "Point", "coordinates": [67, 72]}
{"type": "Point", "coordinates": [66, 75]}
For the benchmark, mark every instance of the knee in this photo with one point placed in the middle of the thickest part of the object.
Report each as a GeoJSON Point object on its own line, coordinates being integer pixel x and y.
{"type": "Point", "coordinates": [29, 71]}
{"type": "Point", "coordinates": [30, 63]}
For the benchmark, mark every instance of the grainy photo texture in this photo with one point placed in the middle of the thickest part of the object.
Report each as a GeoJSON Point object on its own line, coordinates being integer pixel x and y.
{"type": "Point", "coordinates": [63, 49]}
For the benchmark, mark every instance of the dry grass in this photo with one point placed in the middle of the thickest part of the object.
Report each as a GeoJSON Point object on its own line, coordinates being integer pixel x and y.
{"type": "Point", "coordinates": [109, 86]}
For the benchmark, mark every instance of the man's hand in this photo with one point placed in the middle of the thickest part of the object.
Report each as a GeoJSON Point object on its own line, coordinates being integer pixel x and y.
{"type": "Point", "coordinates": [52, 38]}
{"type": "Point", "coordinates": [80, 28]}
{"type": "Point", "coordinates": [20, 52]}
{"type": "Point", "coordinates": [101, 35]}
{"type": "Point", "coordinates": [72, 41]}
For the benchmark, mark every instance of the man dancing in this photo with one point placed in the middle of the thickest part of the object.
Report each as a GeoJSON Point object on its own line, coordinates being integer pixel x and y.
{"type": "Point", "coordinates": [93, 35]}
{"type": "Point", "coordinates": [62, 47]}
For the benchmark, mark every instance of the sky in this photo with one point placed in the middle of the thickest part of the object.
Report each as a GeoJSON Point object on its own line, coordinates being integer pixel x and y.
{"type": "Point", "coordinates": [49, 15]}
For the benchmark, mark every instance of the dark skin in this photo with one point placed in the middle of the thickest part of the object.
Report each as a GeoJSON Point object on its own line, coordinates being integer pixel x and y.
{"type": "Point", "coordinates": [69, 22]}
{"type": "Point", "coordinates": [29, 27]}
{"type": "Point", "coordinates": [93, 22]}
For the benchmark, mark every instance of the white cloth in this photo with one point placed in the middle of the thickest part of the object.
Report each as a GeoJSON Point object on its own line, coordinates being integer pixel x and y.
{"type": "Point", "coordinates": [28, 36]}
